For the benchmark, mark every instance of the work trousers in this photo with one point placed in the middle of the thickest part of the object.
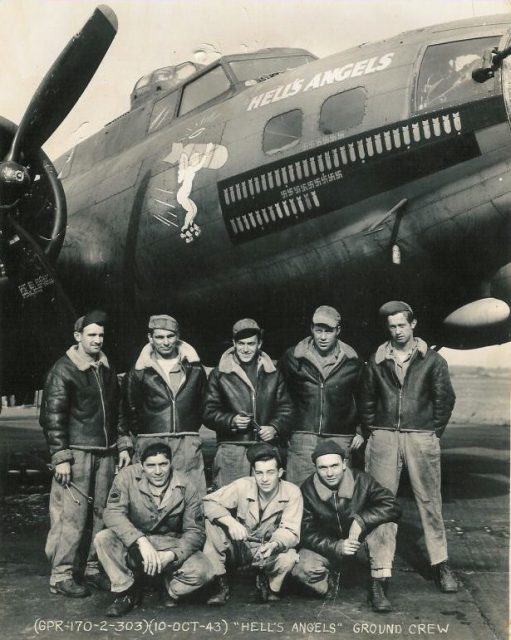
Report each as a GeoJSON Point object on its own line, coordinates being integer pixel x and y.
{"type": "Point", "coordinates": [186, 456]}
{"type": "Point", "coordinates": [386, 453]}
{"type": "Point", "coordinates": [93, 474]}
{"type": "Point", "coordinates": [218, 546]}
{"type": "Point", "coordinates": [312, 570]}
{"type": "Point", "coordinates": [230, 463]}
{"type": "Point", "coordinates": [195, 571]}
{"type": "Point", "coordinates": [301, 446]}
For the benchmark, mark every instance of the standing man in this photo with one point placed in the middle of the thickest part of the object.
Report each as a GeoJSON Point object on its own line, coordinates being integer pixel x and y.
{"type": "Point", "coordinates": [340, 507]}
{"type": "Point", "coordinates": [246, 401]}
{"type": "Point", "coordinates": [163, 396]}
{"type": "Point", "coordinates": [256, 521]}
{"type": "Point", "coordinates": [79, 418]}
{"type": "Point", "coordinates": [155, 525]}
{"type": "Point", "coordinates": [407, 400]}
{"type": "Point", "coordinates": [323, 376]}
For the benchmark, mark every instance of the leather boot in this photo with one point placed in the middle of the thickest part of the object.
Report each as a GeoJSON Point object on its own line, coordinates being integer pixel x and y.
{"type": "Point", "coordinates": [444, 578]}
{"type": "Point", "coordinates": [377, 597]}
{"type": "Point", "coordinates": [220, 593]}
{"type": "Point", "coordinates": [124, 602]}
{"type": "Point", "coordinates": [70, 589]}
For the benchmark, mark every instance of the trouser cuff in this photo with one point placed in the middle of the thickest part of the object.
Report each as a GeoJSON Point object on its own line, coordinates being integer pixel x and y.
{"type": "Point", "coordinates": [381, 573]}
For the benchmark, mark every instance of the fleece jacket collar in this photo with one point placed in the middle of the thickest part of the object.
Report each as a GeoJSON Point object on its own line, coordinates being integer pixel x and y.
{"type": "Point", "coordinates": [302, 348]}
{"type": "Point", "coordinates": [382, 352]}
{"type": "Point", "coordinates": [147, 357]}
{"type": "Point", "coordinates": [229, 364]}
{"type": "Point", "coordinates": [82, 363]}
{"type": "Point", "coordinates": [345, 489]}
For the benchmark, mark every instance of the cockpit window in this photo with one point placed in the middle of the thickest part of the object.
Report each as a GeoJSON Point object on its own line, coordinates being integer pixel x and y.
{"type": "Point", "coordinates": [143, 82]}
{"type": "Point", "coordinates": [210, 85]}
{"type": "Point", "coordinates": [163, 112]}
{"type": "Point", "coordinates": [282, 131]}
{"type": "Point", "coordinates": [259, 69]}
{"type": "Point", "coordinates": [343, 111]}
{"type": "Point", "coordinates": [445, 76]}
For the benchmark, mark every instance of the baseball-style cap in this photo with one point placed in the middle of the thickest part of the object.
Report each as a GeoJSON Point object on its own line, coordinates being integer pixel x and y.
{"type": "Point", "coordinates": [393, 307]}
{"type": "Point", "coordinates": [93, 317]}
{"type": "Point", "coordinates": [261, 450]}
{"type": "Point", "coordinates": [163, 322]}
{"type": "Point", "coordinates": [327, 447]}
{"type": "Point", "coordinates": [326, 315]}
{"type": "Point", "coordinates": [244, 328]}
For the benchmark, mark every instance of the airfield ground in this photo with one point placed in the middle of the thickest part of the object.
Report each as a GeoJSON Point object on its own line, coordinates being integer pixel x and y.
{"type": "Point", "coordinates": [476, 511]}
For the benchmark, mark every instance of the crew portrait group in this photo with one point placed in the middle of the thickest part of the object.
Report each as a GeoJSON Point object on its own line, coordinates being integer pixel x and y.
{"type": "Point", "coordinates": [129, 505]}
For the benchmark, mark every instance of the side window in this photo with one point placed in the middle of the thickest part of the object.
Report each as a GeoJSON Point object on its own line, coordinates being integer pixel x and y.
{"type": "Point", "coordinates": [163, 112]}
{"type": "Point", "coordinates": [343, 110]}
{"type": "Point", "coordinates": [445, 75]}
{"type": "Point", "coordinates": [204, 89]}
{"type": "Point", "coordinates": [282, 131]}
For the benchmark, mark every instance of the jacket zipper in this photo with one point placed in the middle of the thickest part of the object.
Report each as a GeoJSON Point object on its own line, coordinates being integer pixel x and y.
{"type": "Point", "coordinates": [337, 513]}
{"type": "Point", "coordinates": [96, 376]}
{"type": "Point", "coordinates": [321, 396]}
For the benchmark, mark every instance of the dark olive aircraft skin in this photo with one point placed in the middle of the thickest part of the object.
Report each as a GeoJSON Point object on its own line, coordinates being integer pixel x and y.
{"type": "Point", "coordinates": [283, 229]}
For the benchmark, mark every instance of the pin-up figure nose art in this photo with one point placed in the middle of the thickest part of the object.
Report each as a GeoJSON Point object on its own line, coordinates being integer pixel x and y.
{"type": "Point", "coordinates": [192, 158]}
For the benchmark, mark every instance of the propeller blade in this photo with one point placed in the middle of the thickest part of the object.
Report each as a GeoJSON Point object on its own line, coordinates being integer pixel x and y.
{"type": "Point", "coordinates": [65, 82]}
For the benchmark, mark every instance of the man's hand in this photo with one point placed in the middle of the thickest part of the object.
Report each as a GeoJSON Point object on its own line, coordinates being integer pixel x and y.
{"type": "Point", "coordinates": [267, 433]}
{"type": "Point", "coordinates": [236, 530]}
{"type": "Point", "coordinates": [241, 422]}
{"type": "Point", "coordinates": [347, 547]}
{"type": "Point", "coordinates": [266, 550]}
{"type": "Point", "coordinates": [124, 459]}
{"type": "Point", "coordinates": [63, 473]}
{"type": "Point", "coordinates": [151, 558]}
{"type": "Point", "coordinates": [357, 442]}
{"type": "Point", "coordinates": [355, 531]}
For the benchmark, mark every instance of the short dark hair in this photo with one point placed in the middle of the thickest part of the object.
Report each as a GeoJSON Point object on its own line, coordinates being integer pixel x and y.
{"type": "Point", "coordinates": [270, 456]}
{"type": "Point", "coordinates": [154, 449]}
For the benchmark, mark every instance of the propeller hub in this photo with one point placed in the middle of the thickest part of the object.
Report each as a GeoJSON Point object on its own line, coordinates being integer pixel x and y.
{"type": "Point", "coordinates": [13, 174]}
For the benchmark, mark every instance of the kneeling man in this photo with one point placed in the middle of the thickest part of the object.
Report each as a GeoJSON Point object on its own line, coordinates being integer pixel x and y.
{"type": "Point", "coordinates": [155, 524]}
{"type": "Point", "coordinates": [341, 506]}
{"type": "Point", "coordinates": [256, 521]}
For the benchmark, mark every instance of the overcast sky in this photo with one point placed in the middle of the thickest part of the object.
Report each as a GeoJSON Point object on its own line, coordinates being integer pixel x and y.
{"type": "Point", "coordinates": [157, 33]}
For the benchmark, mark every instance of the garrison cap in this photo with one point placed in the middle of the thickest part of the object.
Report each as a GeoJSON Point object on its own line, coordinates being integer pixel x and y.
{"type": "Point", "coordinates": [393, 307]}
{"type": "Point", "coordinates": [163, 322]}
{"type": "Point", "coordinates": [326, 315]}
{"type": "Point", "coordinates": [327, 447]}
{"type": "Point", "coordinates": [244, 328]}
{"type": "Point", "coordinates": [261, 450]}
{"type": "Point", "coordinates": [93, 317]}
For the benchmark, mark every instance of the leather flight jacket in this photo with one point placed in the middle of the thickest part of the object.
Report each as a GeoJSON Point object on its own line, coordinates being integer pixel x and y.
{"type": "Point", "coordinates": [79, 407]}
{"type": "Point", "coordinates": [327, 517]}
{"type": "Point", "coordinates": [230, 392]}
{"type": "Point", "coordinates": [148, 404]}
{"type": "Point", "coordinates": [424, 402]}
{"type": "Point", "coordinates": [325, 406]}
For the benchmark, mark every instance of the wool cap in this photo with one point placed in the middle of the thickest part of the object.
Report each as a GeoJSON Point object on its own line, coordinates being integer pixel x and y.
{"type": "Point", "coordinates": [327, 447]}
{"type": "Point", "coordinates": [244, 328]}
{"type": "Point", "coordinates": [326, 315]}
{"type": "Point", "coordinates": [260, 450]}
{"type": "Point", "coordinates": [163, 322]}
{"type": "Point", "coordinates": [393, 307]}
{"type": "Point", "coordinates": [92, 317]}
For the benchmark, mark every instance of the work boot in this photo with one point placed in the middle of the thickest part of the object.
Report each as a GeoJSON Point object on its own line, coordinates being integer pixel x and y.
{"type": "Point", "coordinates": [124, 602]}
{"type": "Point", "coordinates": [444, 578]}
{"type": "Point", "coordinates": [70, 589]}
{"type": "Point", "coordinates": [264, 591]}
{"type": "Point", "coordinates": [97, 581]}
{"type": "Point", "coordinates": [334, 578]}
{"type": "Point", "coordinates": [220, 593]}
{"type": "Point", "coordinates": [377, 597]}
